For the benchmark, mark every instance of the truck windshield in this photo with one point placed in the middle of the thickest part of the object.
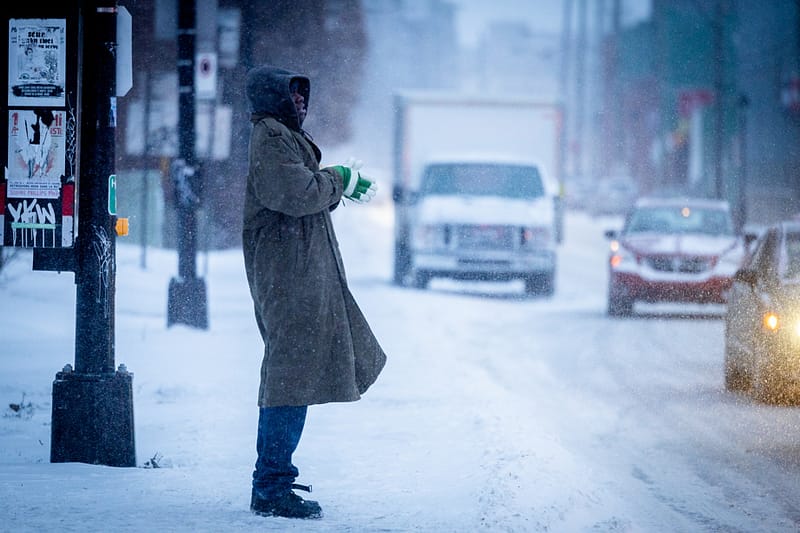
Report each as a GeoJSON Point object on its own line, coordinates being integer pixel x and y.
{"type": "Point", "coordinates": [482, 179]}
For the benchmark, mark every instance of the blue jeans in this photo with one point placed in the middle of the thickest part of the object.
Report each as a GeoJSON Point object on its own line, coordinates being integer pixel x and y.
{"type": "Point", "coordinates": [279, 430]}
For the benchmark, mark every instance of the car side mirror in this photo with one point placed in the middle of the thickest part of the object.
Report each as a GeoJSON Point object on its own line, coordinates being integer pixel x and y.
{"type": "Point", "coordinates": [401, 195]}
{"type": "Point", "coordinates": [610, 234]}
{"type": "Point", "coordinates": [397, 193]}
{"type": "Point", "coordinates": [749, 238]}
{"type": "Point", "coordinates": [746, 275]}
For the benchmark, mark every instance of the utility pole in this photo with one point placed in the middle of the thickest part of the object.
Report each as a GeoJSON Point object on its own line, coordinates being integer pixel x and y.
{"type": "Point", "coordinates": [615, 124]}
{"type": "Point", "coordinates": [718, 59]}
{"type": "Point", "coordinates": [566, 51]}
{"type": "Point", "coordinates": [580, 88]}
{"type": "Point", "coordinates": [566, 25]}
{"type": "Point", "coordinates": [598, 100]}
{"type": "Point", "coordinates": [92, 414]}
{"type": "Point", "coordinates": [145, 192]}
{"type": "Point", "coordinates": [741, 200]}
{"type": "Point", "coordinates": [187, 303]}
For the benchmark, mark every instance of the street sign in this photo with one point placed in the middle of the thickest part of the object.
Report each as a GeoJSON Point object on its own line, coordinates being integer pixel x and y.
{"type": "Point", "coordinates": [124, 53]}
{"type": "Point", "coordinates": [112, 194]}
{"type": "Point", "coordinates": [205, 75]}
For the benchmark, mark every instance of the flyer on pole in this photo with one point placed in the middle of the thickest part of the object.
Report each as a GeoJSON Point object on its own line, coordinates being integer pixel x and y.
{"type": "Point", "coordinates": [37, 59]}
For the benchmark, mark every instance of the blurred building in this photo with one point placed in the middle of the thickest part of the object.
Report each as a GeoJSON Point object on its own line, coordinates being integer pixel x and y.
{"type": "Point", "coordinates": [324, 39]}
{"type": "Point", "coordinates": [411, 44]}
{"type": "Point", "coordinates": [706, 106]}
{"type": "Point", "coordinates": [768, 47]}
{"type": "Point", "coordinates": [510, 59]}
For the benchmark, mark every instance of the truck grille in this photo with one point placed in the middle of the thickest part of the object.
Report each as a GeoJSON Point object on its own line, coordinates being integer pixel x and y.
{"type": "Point", "coordinates": [483, 237]}
{"type": "Point", "coordinates": [685, 265]}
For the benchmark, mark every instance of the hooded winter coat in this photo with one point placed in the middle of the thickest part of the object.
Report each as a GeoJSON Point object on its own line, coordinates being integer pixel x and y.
{"type": "Point", "coordinates": [318, 347]}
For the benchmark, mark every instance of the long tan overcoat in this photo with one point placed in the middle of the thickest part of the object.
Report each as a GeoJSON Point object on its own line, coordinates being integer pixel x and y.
{"type": "Point", "coordinates": [319, 347]}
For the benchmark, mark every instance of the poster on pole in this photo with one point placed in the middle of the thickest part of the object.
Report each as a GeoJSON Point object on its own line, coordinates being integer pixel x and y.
{"type": "Point", "coordinates": [39, 198]}
{"type": "Point", "coordinates": [36, 153]}
{"type": "Point", "coordinates": [37, 57]}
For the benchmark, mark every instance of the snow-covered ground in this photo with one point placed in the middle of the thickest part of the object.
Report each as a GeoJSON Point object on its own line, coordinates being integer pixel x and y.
{"type": "Point", "coordinates": [495, 412]}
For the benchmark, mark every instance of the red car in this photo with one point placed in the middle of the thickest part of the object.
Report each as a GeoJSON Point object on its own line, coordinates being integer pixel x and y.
{"type": "Point", "coordinates": [675, 250]}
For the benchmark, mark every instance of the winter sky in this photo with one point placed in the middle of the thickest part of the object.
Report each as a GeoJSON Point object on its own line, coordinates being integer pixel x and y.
{"type": "Point", "coordinates": [541, 15]}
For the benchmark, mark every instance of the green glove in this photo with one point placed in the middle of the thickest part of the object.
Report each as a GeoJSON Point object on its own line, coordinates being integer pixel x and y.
{"type": "Point", "coordinates": [357, 187]}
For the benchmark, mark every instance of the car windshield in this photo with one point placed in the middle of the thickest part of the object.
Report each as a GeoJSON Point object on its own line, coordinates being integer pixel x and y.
{"type": "Point", "coordinates": [680, 219]}
{"type": "Point", "coordinates": [791, 269]}
{"type": "Point", "coordinates": [511, 181]}
{"type": "Point", "coordinates": [616, 186]}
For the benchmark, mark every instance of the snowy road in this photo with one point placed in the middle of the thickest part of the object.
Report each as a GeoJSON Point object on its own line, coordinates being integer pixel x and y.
{"type": "Point", "coordinates": [495, 412]}
{"type": "Point", "coordinates": [636, 405]}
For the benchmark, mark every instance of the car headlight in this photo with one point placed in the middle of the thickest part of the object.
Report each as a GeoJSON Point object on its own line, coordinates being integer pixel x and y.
{"type": "Point", "coordinates": [731, 260]}
{"type": "Point", "coordinates": [535, 236]}
{"type": "Point", "coordinates": [771, 321]}
{"type": "Point", "coordinates": [775, 322]}
{"type": "Point", "coordinates": [429, 236]}
{"type": "Point", "coordinates": [620, 256]}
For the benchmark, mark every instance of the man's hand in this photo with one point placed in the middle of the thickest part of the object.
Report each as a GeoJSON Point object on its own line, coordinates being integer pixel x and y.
{"type": "Point", "coordinates": [357, 187]}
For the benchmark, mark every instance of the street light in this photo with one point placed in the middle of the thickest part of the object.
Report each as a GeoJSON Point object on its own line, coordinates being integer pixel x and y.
{"type": "Point", "coordinates": [187, 301]}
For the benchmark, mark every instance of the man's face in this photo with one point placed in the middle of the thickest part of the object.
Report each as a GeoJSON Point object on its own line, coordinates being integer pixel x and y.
{"type": "Point", "coordinates": [299, 101]}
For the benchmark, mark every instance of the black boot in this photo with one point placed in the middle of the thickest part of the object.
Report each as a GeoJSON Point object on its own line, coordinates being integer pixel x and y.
{"type": "Point", "coordinates": [286, 504]}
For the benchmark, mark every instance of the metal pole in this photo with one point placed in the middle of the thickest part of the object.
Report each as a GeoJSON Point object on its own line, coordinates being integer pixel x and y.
{"type": "Point", "coordinates": [718, 69]}
{"type": "Point", "coordinates": [580, 89]}
{"type": "Point", "coordinates": [96, 243]}
{"type": "Point", "coordinates": [741, 207]}
{"type": "Point", "coordinates": [560, 200]}
{"type": "Point", "coordinates": [187, 293]}
{"type": "Point", "coordinates": [92, 418]}
{"type": "Point", "coordinates": [566, 51]}
{"type": "Point", "coordinates": [597, 107]}
{"type": "Point", "coordinates": [145, 168]}
{"type": "Point", "coordinates": [616, 124]}
{"type": "Point", "coordinates": [187, 236]}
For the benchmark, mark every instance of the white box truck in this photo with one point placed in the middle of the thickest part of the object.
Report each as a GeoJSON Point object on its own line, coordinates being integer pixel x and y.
{"type": "Point", "coordinates": [476, 189]}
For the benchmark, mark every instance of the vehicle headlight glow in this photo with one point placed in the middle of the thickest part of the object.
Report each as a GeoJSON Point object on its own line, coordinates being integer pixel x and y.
{"type": "Point", "coordinates": [429, 236]}
{"type": "Point", "coordinates": [771, 321]}
{"type": "Point", "coordinates": [536, 235]}
{"type": "Point", "coordinates": [731, 259]}
{"type": "Point", "coordinates": [774, 323]}
{"type": "Point", "coordinates": [620, 255]}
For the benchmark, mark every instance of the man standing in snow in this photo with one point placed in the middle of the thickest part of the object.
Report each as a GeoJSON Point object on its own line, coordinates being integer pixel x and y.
{"type": "Point", "coordinates": [318, 347]}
